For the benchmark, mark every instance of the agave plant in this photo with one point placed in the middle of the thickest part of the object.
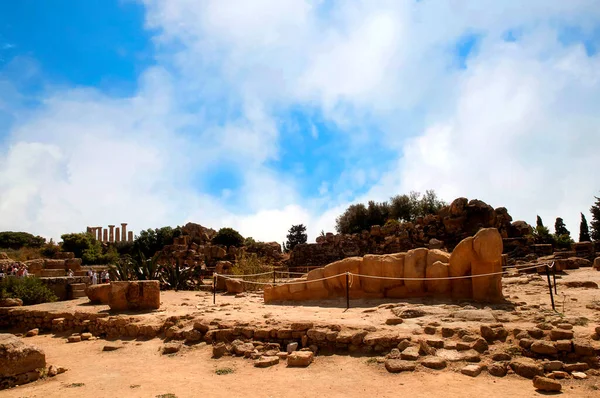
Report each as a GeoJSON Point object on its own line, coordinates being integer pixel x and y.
{"type": "Point", "coordinates": [135, 268]}
{"type": "Point", "coordinates": [176, 277]}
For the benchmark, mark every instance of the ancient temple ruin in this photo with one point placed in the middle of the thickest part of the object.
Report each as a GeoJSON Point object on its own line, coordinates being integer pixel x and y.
{"type": "Point", "coordinates": [472, 271]}
{"type": "Point", "coordinates": [111, 234]}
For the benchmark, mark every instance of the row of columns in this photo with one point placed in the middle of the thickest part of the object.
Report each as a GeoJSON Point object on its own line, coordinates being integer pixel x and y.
{"type": "Point", "coordinates": [111, 234]}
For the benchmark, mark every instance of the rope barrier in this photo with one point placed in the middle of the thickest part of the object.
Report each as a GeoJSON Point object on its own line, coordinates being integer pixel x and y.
{"type": "Point", "coordinates": [242, 276]}
{"type": "Point", "coordinates": [380, 277]}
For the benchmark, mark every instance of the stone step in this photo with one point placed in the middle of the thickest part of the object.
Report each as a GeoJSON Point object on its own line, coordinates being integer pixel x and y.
{"type": "Point", "coordinates": [53, 273]}
{"type": "Point", "coordinates": [55, 266]}
{"type": "Point", "coordinates": [80, 273]}
{"type": "Point", "coordinates": [78, 293]}
{"type": "Point", "coordinates": [78, 286]}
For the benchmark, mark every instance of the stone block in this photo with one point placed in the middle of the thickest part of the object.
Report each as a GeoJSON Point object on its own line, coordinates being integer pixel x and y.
{"type": "Point", "coordinates": [134, 295]}
{"type": "Point", "coordinates": [17, 357]}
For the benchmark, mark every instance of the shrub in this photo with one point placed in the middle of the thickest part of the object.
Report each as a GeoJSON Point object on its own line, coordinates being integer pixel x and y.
{"type": "Point", "coordinates": [50, 249]}
{"type": "Point", "coordinates": [150, 241]}
{"type": "Point", "coordinates": [228, 237]}
{"type": "Point", "coordinates": [31, 290]}
{"type": "Point", "coordinates": [17, 240]}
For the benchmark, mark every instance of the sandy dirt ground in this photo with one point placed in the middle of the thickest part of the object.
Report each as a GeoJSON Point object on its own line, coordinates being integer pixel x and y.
{"type": "Point", "coordinates": [139, 370]}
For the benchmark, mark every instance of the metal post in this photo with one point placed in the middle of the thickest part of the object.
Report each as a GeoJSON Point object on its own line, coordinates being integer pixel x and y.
{"type": "Point", "coordinates": [554, 277]}
{"type": "Point", "coordinates": [550, 287]}
{"type": "Point", "coordinates": [214, 288]}
{"type": "Point", "coordinates": [347, 291]}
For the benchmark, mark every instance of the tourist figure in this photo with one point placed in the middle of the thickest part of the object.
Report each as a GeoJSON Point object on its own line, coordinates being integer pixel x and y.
{"type": "Point", "coordinates": [70, 273]}
{"type": "Point", "coordinates": [94, 278]}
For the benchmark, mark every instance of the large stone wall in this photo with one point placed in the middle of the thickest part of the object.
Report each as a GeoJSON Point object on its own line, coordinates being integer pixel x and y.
{"type": "Point", "coordinates": [463, 218]}
{"type": "Point", "coordinates": [478, 255]}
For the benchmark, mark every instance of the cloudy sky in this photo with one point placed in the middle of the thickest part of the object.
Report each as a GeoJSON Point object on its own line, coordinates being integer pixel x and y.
{"type": "Point", "coordinates": [259, 114]}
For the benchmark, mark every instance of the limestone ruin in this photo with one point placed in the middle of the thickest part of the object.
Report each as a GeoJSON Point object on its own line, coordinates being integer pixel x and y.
{"type": "Point", "coordinates": [379, 276]}
{"type": "Point", "coordinates": [112, 234]}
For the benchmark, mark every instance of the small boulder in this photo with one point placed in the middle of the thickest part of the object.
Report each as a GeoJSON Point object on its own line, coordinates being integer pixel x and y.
{"type": "Point", "coordinates": [98, 294]}
{"type": "Point", "coordinates": [579, 375]}
{"type": "Point", "coordinates": [398, 365]}
{"type": "Point", "coordinates": [234, 286]}
{"type": "Point", "coordinates": [471, 370]}
{"type": "Point", "coordinates": [74, 339]}
{"type": "Point", "coordinates": [171, 348]}
{"type": "Point", "coordinates": [434, 363]}
{"type": "Point", "coordinates": [11, 302]}
{"type": "Point", "coordinates": [543, 347]}
{"type": "Point", "coordinates": [561, 334]}
{"type": "Point", "coordinates": [393, 321]}
{"type": "Point", "coordinates": [300, 358]}
{"type": "Point", "coordinates": [86, 336]}
{"type": "Point", "coordinates": [32, 332]}
{"type": "Point", "coordinates": [526, 367]}
{"type": "Point", "coordinates": [291, 347]}
{"type": "Point", "coordinates": [219, 350]}
{"type": "Point", "coordinates": [497, 369]}
{"type": "Point", "coordinates": [265, 362]}
{"type": "Point", "coordinates": [546, 384]}
{"type": "Point", "coordinates": [111, 347]}
{"type": "Point", "coordinates": [410, 354]}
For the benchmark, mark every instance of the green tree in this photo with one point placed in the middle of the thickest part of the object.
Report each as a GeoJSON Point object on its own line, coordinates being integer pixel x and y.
{"type": "Point", "coordinates": [17, 240]}
{"type": "Point", "coordinates": [562, 236]}
{"type": "Point", "coordinates": [584, 231]}
{"type": "Point", "coordinates": [150, 241]}
{"type": "Point", "coordinates": [595, 223]}
{"type": "Point", "coordinates": [296, 235]}
{"type": "Point", "coordinates": [77, 243]}
{"type": "Point", "coordinates": [560, 228]}
{"type": "Point", "coordinates": [353, 220]}
{"type": "Point", "coordinates": [541, 233]}
{"type": "Point", "coordinates": [228, 237]}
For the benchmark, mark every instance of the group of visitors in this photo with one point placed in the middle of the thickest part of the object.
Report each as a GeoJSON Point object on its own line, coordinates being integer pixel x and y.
{"type": "Point", "coordinates": [104, 277]}
{"type": "Point", "coordinates": [17, 269]}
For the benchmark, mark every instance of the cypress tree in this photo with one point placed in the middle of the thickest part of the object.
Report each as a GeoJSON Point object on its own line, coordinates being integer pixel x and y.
{"type": "Point", "coordinates": [584, 231]}
{"type": "Point", "coordinates": [595, 223]}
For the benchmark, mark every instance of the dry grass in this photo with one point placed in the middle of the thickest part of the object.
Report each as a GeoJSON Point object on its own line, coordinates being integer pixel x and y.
{"type": "Point", "coordinates": [24, 253]}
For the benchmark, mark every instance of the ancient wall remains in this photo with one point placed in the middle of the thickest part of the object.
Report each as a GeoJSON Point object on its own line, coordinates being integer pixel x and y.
{"type": "Point", "coordinates": [461, 219]}
{"type": "Point", "coordinates": [416, 273]}
{"type": "Point", "coordinates": [112, 234]}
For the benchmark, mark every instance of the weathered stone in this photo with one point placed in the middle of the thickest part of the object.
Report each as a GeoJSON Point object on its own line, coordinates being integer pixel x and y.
{"type": "Point", "coordinates": [471, 370]}
{"type": "Point", "coordinates": [546, 384]}
{"type": "Point", "coordinates": [218, 350]}
{"type": "Point", "coordinates": [434, 363]}
{"type": "Point", "coordinates": [559, 334]}
{"type": "Point", "coordinates": [558, 374]}
{"type": "Point", "coordinates": [266, 361]}
{"type": "Point", "coordinates": [11, 302]}
{"type": "Point", "coordinates": [74, 339]}
{"type": "Point", "coordinates": [583, 348]}
{"type": "Point", "coordinates": [171, 348]}
{"type": "Point", "coordinates": [393, 321]}
{"type": "Point", "coordinates": [17, 358]}
{"type": "Point", "coordinates": [411, 313]}
{"type": "Point", "coordinates": [398, 365]}
{"type": "Point", "coordinates": [234, 286]}
{"type": "Point", "coordinates": [526, 367]}
{"type": "Point", "coordinates": [300, 358]}
{"type": "Point", "coordinates": [111, 347]}
{"type": "Point", "coordinates": [497, 369]}
{"type": "Point", "coordinates": [32, 332]}
{"type": "Point", "coordinates": [543, 347]}
{"type": "Point", "coordinates": [480, 345]}
{"type": "Point", "coordinates": [576, 367]}
{"type": "Point", "coordinates": [579, 375]}
{"type": "Point", "coordinates": [86, 336]}
{"type": "Point", "coordinates": [552, 366]}
{"type": "Point", "coordinates": [501, 356]}
{"type": "Point", "coordinates": [135, 295]}
{"type": "Point", "coordinates": [410, 354]}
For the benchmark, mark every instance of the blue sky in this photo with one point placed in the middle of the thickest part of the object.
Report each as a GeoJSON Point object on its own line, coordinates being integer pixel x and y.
{"type": "Point", "coordinates": [261, 114]}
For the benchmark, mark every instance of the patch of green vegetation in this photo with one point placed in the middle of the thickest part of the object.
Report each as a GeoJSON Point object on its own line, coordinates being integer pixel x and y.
{"type": "Point", "coordinates": [224, 371]}
{"type": "Point", "coordinates": [371, 361]}
{"type": "Point", "coordinates": [134, 386]}
{"type": "Point", "coordinates": [167, 395]}
{"type": "Point", "coordinates": [75, 385]}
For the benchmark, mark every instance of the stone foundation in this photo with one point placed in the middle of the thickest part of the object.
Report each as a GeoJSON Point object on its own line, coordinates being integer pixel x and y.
{"type": "Point", "coordinates": [61, 285]}
{"type": "Point", "coordinates": [478, 255]}
{"type": "Point", "coordinates": [135, 295]}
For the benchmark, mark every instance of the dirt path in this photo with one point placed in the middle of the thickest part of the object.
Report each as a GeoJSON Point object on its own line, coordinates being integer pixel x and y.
{"type": "Point", "coordinates": [139, 370]}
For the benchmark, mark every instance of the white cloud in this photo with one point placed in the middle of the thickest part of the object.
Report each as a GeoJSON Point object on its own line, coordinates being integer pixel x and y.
{"type": "Point", "coordinates": [516, 128]}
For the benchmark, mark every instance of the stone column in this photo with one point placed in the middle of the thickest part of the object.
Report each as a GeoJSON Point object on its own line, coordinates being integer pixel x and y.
{"type": "Point", "coordinates": [130, 236]}
{"type": "Point", "coordinates": [124, 231]}
{"type": "Point", "coordinates": [117, 235]}
{"type": "Point", "coordinates": [105, 235]}
{"type": "Point", "coordinates": [88, 230]}
{"type": "Point", "coordinates": [111, 235]}
{"type": "Point", "coordinates": [99, 233]}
